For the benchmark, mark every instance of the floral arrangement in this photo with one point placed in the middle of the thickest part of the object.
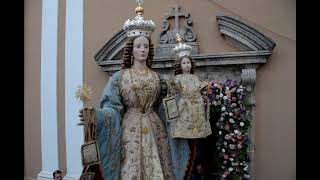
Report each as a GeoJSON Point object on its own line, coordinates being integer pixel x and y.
{"type": "Point", "coordinates": [232, 123]}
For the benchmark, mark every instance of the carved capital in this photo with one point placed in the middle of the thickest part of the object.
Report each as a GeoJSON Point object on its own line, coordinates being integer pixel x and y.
{"type": "Point", "coordinates": [248, 78]}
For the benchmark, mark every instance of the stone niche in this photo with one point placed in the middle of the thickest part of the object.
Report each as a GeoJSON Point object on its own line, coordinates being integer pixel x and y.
{"type": "Point", "coordinates": [255, 49]}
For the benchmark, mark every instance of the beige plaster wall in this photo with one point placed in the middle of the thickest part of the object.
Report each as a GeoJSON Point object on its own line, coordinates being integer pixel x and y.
{"type": "Point", "coordinates": [32, 53]}
{"type": "Point", "coordinates": [60, 87]}
{"type": "Point", "coordinates": [275, 126]}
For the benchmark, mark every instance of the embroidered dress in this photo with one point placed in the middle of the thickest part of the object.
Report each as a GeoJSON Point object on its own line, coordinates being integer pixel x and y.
{"type": "Point", "coordinates": [133, 141]}
{"type": "Point", "coordinates": [193, 121]}
{"type": "Point", "coordinates": [144, 134]}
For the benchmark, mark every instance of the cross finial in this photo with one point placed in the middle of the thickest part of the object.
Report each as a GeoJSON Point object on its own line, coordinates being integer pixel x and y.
{"type": "Point", "coordinates": [139, 2]}
{"type": "Point", "coordinates": [139, 9]}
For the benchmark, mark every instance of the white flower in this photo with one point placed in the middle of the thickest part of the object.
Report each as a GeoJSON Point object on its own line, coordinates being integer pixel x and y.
{"type": "Point", "coordinates": [235, 164]}
{"type": "Point", "coordinates": [247, 176]}
{"type": "Point", "coordinates": [223, 150]}
{"type": "Point", "coordinates": [215, 85]}
{"type": "Point", "coordinates": [227, 88]}
{"type": "Point", "coordinates": [241, 124]}
{"type": "Point", "coordinates": [231, 146]}
{"type": "Point", "coordinates": [241, 87]}
{"type": "Point", "coordinates": [236, 131]}
{"type": "Point", "coordinates": [221, 95]}
{"type": "Point", "coordinates": [214, 103]}
{"type": "Point", "coordinates": [231, 134]}
{"type": "Point", "coordinates": [223, 108]}
{"type": "Point", "coordinates": [231, 120]}
{"type": "Point", "coordinates": [245, 168]}
{"type": "Point", "coordinates": [231, 159]}
{"type": "Point", "coordinates": [225, 143]}
{"type": "Point", "coordinates": [225, 97]}
{"type": "Point", "coordinates": [220, 132]}
{"type": "Point", "coordinates": [230, 169]}
{"type": "Point", "coordinates": [230, 114]}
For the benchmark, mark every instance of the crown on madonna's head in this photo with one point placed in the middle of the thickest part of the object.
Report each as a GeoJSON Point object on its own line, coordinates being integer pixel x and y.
{"type": "Point", "coordinates": [138, 26]}
{"type": "Point", "coordinates": [181, 49]}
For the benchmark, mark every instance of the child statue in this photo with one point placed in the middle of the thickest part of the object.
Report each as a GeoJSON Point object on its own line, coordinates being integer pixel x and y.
{"type": "Point", "coordinates": [193, 121]}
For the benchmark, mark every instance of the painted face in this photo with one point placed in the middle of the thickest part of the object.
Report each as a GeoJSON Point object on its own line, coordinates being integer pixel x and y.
{"type": "Point", "coordinates": [140, 48]}
{"type": "Point", "coordinates": [185, 65]}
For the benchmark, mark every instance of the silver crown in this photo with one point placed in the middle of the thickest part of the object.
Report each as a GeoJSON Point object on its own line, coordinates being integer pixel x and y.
{"type": "Point", "coordinates": [138, 26]}
{"type": "Point", "coordinates": [181, 49]}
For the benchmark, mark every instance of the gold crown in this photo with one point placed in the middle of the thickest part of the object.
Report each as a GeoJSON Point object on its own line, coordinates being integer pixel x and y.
{"type": "Point", "coordinates": [138, 26]}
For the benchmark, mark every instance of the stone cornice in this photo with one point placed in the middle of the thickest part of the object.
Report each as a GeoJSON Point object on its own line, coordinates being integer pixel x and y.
{"type": "Point", "coordinates": [233, 58]}
{"type": "Point", "coordinates": [248, 38]}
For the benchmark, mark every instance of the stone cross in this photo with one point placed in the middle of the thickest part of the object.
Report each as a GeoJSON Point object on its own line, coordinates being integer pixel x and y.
{"type": "Point", "coordinates": [176, 14]}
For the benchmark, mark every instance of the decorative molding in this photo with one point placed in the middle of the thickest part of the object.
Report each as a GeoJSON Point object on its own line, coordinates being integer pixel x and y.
{"type": "Point", "coordinates": [112, 47]}
{"type": "Point", "coordinates": [168, 36]}
{"type": "Point", "coordinates": [207, 60]}
{"type": "Point", "coordinates": [248, 77]}
{"type": "Point", "coordinates": [248, 38]}
{"type": "Point", "coordinates": [258, 48]}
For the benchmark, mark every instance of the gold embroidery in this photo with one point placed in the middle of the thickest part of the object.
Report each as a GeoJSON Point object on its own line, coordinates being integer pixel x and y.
{"type": "Point", "coordinates": [143, 87]}
{"type": "Point", "coordinates": [195, 130]}
{"type": "Point", "coordinates": [145, 130]}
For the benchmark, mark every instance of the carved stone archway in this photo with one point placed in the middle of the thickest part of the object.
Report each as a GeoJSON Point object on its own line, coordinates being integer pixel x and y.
{"type": "Point", "coordinates": [255, 48]}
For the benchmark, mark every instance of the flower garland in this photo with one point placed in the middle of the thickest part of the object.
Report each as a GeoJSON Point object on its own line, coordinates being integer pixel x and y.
{"type": "Point", "coordinates": [232, 123]}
